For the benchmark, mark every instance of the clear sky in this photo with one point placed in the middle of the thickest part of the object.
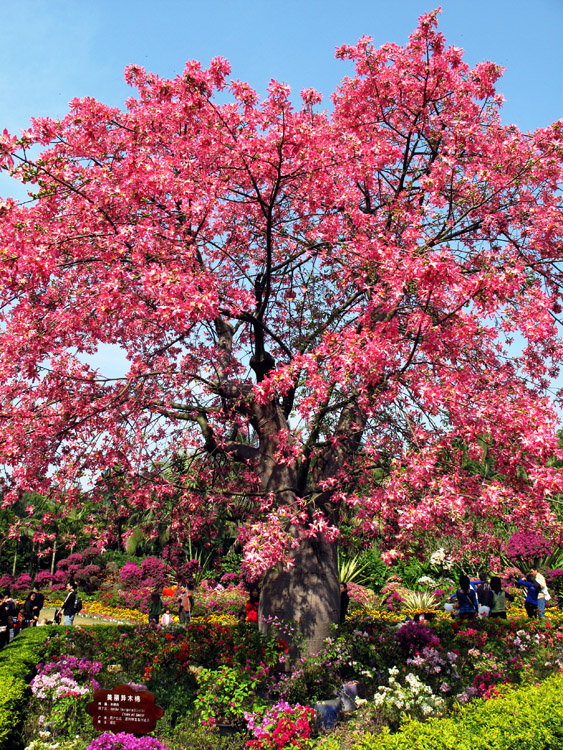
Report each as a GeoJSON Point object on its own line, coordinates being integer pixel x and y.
{"type": "Point", "coordinates": [54, 50]}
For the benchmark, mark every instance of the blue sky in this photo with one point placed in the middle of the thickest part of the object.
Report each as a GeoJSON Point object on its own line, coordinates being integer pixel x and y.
{"type": "Point", "coordinates": [54, 50]}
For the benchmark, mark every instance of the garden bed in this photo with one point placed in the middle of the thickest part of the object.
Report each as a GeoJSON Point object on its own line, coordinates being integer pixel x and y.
{"type": "Point", "coordinates": [212, 673]}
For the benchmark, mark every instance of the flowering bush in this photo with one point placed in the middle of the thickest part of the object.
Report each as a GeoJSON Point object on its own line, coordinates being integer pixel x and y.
{"type": "Point", "coordinates": [125, 741]}
{"type": "Point", "coordinates": [154, 572]}
{"type": "Point", "coordinates": [414, 636]}
{"type": "Point", "coordinates": [61, 689]}
{"type": "Point", "coordinates": [89, 577]}
{"type": "Point", "coordinates": [7, 581]}
{"type": "Point", "coordinates": [43, 578]}
{"type": "Point", "coordinates": [225, 695]}
{"type": "Point", "coordinates": [527, 547]}
{"type": "Point", "coordinates": [281, 726]}
{"type": "Point", "coordinates": [554, 580]}
{"type": "Point", "coordinates": [23, 582]}
{"type": "Point", "coordinates": [412, 700]}
{"type": "Point", "coordinates": [130, 575]}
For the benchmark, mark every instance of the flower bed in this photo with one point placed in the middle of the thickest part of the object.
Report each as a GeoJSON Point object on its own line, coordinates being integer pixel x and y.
{"type": "Point", "coordinates": [211, 672]}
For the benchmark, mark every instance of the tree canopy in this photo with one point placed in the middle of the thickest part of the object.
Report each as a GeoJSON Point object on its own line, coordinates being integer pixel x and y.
{"type": "Point", "coordinates": [345, 303]}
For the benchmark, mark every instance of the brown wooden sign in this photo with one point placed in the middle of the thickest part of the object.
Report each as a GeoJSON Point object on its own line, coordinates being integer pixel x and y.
{"type": "Point", "coordinates": [124, 709]}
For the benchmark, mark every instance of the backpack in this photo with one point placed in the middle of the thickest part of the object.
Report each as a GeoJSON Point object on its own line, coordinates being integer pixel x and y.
{"type": "Point", "coordinates": [77, 605]}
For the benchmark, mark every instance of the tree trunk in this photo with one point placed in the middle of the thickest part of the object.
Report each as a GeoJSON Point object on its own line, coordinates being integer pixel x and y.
{"type": "Point", "coordinates": [307, 594]}
{"type": "Point", "coordinates": [53, 555]}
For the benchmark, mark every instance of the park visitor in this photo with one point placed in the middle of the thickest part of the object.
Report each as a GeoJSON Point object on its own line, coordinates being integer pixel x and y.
{"type": "Point", "coordinates": [252, 605]}
{"type": "Point", "coordinates": [499, 597]}
{"type": "Point", "coordinates": [155, 607]}
{"type": "Point", "coordinates": [532, 589]}
{"type": "Point", "coordinates": [543, 593]}
{"type": "Point", "coordinates": [29, 611]}
{"type": "Point", "coordinates": [484, 595]}
{"type": "Point", "coordinates": [166, 618]}
{"type": "Point", "coordinates": [344, 601]}
{"type": "Point", "coordinates": [38, 602]}
{"type": "Point", "coordinates": [69, 605]}
{"type": "Point", "coordinates": [185, 604]}
{"type": "Point", "coordinates": [466, 598]}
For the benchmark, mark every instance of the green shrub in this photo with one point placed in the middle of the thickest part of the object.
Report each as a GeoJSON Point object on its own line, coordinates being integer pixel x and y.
{"type": "Point", "coordinates": [17, 665]}
{"type": "Point", "coordinates": [530, 718]}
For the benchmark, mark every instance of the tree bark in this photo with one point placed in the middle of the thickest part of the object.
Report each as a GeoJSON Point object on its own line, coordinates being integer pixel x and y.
{"type": "Point", "coordinates": [307, 594]}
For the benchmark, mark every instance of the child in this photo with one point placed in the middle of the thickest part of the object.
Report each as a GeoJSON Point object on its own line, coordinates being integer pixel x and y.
{"type": "Point", "coordinates": [166, 618]}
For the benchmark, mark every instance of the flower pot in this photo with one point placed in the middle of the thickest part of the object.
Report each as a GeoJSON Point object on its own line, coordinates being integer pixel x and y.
{"type": "Point", "coordinates": [327, 713]}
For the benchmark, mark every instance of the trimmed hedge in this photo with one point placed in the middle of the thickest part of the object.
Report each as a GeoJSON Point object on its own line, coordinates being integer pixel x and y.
{"type": "Point", "coordinates": [529, 718]}
{"type": "Point", "coordinates": [17, 664]}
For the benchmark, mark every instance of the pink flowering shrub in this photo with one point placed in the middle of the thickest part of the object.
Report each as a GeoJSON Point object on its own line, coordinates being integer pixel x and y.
{"type": "Point", "coordinates": [155, 572]}
{"type": "Point", "coordinates": [130, 575]}
{"type": "Point", "coordinates": [125, 741]}
{"type": "Point", "coordinates": [527, 547]}
{"type": "Point", "coordinates": [75, 559]}
{"type": "Point", "coordinates": [281, 727]}
{"type": "Point", "coordinates": [7, 582]}
{"type": "Point", "coordinates": [43, 578]}
{"type": "Point", "coordinates": [23, 582]}
{"type": "Point", "coordinates": [89, 577]}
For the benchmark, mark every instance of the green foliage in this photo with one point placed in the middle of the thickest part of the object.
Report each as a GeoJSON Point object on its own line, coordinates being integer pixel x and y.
{"type": "Point", "coordinates": [375, 570]}
{"type": "Point", "coordinates": [194, 735]}
{"type": "Point", "coordinates": [351, 569]}
{"type": "Point", "coordinates": [17, 664]}
{"type": "Point", "coordinates": [418, 600]}
{"type": "Point", "coordinates": [530, 718]}
{"type": "Point", "coordinates": [410, 570]}
{"type": "Point", "coordinates": [174, 688]}
{"type": "Point", "coordinates": [224, 695]}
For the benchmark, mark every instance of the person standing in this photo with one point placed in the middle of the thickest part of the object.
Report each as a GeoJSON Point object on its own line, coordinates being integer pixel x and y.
{"type": "Point", "coordinates": [29, 611]}
{"type": "Point", "coordinates": [38, 603]}
{"type": "Point", "coordinates": [69, 604]}
{"type": "Point", "coordinates": [185, 605]}
{"type": "Point", "coordinates": [252, 605]}
{"type": "Point", "coordinates": [499, 597]}
{"type": "Point", "coordinates": [484, 595]}
{"type": "Point", "coordinates": [543, 594]}
{"type": "Point", "coordinates": [532, 589]}
{"type": "Point", "coordinates": [155, 607]}
{"type": "Point", "coordinates": [5, 618]}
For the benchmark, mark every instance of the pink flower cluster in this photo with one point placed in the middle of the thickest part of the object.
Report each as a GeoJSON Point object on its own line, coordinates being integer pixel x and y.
{"type": "Point", "coordinates": [282, 726]}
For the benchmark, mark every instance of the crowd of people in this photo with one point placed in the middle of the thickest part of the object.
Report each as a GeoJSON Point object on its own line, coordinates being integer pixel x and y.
{"type": "Point", "coordinates": [16, 615]}
{"type": "Point", "coordinates": [485, 597]}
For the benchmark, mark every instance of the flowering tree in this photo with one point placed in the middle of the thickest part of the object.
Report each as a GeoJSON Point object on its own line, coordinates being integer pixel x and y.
{"type": "Point", "coordinates": [327, 300]}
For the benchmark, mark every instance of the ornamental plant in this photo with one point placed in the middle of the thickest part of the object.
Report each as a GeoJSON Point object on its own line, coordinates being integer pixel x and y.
{"type": "Point", "coordinates": [281, 727]}
{"type": "Point", "coordinates": [411, 699]}
{"type": "Point", "coordinates": [225, 695]}
{"type": "Point", "coordinates": [525, 548]}
{"type": "Point", "coordinates": [324, 301]}
{"type": "Point", "coordinates": [60, 692]}
{"type": "Point", "coordinates": [125, 741]}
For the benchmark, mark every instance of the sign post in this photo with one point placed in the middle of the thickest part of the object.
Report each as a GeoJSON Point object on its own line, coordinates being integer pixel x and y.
{"type": "Point", "coordinates": [124, 709]}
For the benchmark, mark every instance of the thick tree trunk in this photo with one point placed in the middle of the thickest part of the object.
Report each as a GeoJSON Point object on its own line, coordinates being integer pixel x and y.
{"type": "Point", "coordinates": [307, 594]}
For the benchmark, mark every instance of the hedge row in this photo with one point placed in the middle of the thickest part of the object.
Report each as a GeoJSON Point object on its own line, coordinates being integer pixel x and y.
{"type": "Point", "coordinates": [17, 664]}
{"type": "Point", "coordinates": [529, 718]}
